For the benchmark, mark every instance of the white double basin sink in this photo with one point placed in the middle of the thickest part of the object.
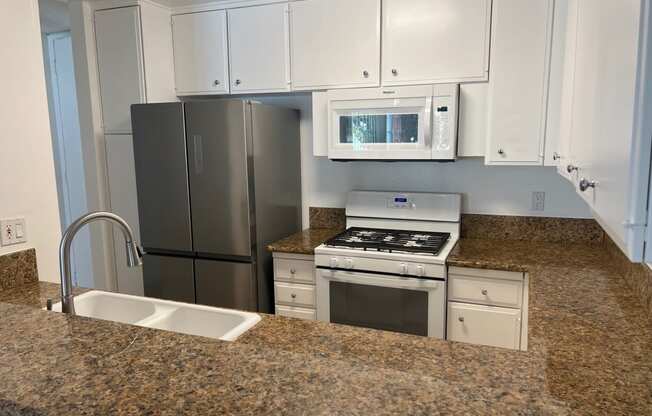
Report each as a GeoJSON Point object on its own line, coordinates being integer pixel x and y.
{"type": "Point", "coordinates": [184, 318]}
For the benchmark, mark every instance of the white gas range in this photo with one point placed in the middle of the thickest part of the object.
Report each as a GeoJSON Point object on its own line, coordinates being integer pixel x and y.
{"type": "Point", "coordinates": [388, 269]}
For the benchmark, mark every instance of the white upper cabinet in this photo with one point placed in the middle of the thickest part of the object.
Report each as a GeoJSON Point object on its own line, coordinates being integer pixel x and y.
{"type": "Point", "coordinates": [335, 43]}
{"type": "Point", "coordinates": [611, 126]}
{"type": "Point", "coordinates": [427, 41]}
{"type": "Point", "coordinates": [518, 85]}
{"type": "Point", "coordinates": [201, 53]}
{"type": "Point", "coordinates": [562, 78]}
{"type": "Point", "coordinates": [120, 65]}
{"type": "Point", "coordinates": [259, 48]}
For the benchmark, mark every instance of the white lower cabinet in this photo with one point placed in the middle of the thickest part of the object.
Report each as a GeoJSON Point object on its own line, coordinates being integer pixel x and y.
{"type": "Point", "coordinates": [294, 312]}
{"type": "Point", "coordinates": [294, 285]}
{"type": "Point", "coordinates": [487, 307]}
{"type": "Point", "coordinates": [487, 325]}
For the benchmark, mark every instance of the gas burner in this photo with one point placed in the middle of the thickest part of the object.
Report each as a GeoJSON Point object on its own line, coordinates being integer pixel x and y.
{"type": "Point", "coordinates": [398, 241]}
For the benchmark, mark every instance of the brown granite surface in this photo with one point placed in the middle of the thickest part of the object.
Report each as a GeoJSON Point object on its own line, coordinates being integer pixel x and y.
{"type": "Point", "coordinates": [548, 229]}
{"type": "Point", "coordinates": [304, 242]}
{"type": "Point", "coordinates": [327, 218]}
{"type": "Point", "coordinates": [18, 268]}
{"type": "Point", "coordinates": [637, 275]}
{"type": "Point", "coordinates": [590, 353]}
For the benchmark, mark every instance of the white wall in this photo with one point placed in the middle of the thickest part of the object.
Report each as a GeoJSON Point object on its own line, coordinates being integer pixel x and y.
{"type": "Point", "coordinates": [27, 181]}
{"type": "Point", "coordinates": [501, 190]}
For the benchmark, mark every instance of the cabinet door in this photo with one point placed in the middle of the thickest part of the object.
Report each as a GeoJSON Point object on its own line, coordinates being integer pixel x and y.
{"type": "Point", "coordinates": [259, 48]}
{"type": "Point", "coordinates": [518, 87]}
{"type": "Point", "coordinates": [200, 53]}
{"type": "Point", "coordinates": [435, 41]}
{"type": "Point", "coordinates": [124, 202]}
{"type": "Point", "coordinates": [335, 43]}
{"type": "Point", "coordinates": [568, 40]}
{"type": "Point", "coordinates": [120, 65]}
{"type": "Point", "coordinates": [610, 129]}
{"type": "Point", "coordinates": [485, 325]}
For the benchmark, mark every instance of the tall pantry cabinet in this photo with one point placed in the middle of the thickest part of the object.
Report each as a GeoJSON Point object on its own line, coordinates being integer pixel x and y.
{"type": "Point", "coordinates": [135, 65]}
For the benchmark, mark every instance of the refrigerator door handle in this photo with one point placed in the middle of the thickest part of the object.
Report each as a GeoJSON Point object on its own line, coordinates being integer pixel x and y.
{"type": "Point", "coordinates": [198, 153]}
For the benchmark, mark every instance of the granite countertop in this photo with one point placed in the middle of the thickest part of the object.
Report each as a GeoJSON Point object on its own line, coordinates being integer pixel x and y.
{"type": "Point", "coordinates": [590, 353]}
{"type": "Point", "coordinates": [304, 242]}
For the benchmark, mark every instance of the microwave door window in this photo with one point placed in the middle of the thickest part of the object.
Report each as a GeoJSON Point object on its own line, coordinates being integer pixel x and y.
{"type": "Point", "coordinates": [359, 130]}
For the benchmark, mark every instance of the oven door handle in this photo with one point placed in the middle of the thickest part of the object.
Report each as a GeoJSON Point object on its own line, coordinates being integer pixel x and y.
{"type": "Point", "coordinates": [379, 280]}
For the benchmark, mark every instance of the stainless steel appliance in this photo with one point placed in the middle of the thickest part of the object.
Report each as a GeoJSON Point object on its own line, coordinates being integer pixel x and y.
{"type": "Point", "coordinates": [217, 181]}
{"type": "Point", "coordinates": [408, 123]}
{"type": "Point", "coordinates": [388, 269]}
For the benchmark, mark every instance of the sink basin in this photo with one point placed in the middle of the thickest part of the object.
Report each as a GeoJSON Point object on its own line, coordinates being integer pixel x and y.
{"type": "Point", "coordinates": [185, 318]}
{"type": "Point", "coordinates": [108, 306]}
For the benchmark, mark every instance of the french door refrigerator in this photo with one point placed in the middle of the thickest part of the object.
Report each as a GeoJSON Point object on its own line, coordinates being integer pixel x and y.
{"type": "Point", "coordinates": [217, 181]}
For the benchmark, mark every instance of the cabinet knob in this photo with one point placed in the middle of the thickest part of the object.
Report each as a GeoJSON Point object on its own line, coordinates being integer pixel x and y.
{"type": "Point", "coordinates": [238, 82]}
{"type": "Point", "coordinates": [586, 184]}
{"type": "Point", "coordinates": [293, 295]}
{"type": "Point", "coordinates": [571, 168]}
{"type": "Point", "coordinates": [484, 292]}
{"type": "Point", "coordinates": [216, 82]}
{"type": "Point", "coordinates": [461, 319]}
{"type": "Point", "coordinates": [394, 72]}
{"type": "Point", "coordinates": [501, 152]}
{"type": "Point", "coordinates": [365, 74]}
{"type": "Point", "coordinates": [556, 156]}
{"type": "Point", "coordinates": [293, 270]}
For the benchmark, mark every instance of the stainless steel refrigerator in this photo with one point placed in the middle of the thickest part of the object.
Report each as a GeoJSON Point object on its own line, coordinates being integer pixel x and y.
{"type": "Point", "coordinates": [217, 181]}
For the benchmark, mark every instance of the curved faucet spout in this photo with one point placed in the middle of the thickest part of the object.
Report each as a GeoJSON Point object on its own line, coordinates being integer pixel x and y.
{"type": "Point", "coordinates": [133, 252]}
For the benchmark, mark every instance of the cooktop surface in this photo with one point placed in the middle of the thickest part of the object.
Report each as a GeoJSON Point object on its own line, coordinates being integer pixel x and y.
{"type": "Point", "coordinates": [399, 241]}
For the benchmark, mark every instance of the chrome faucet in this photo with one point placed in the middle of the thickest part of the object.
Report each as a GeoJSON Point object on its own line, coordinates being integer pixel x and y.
{"type": "Point", "coordinates": [133, 252]}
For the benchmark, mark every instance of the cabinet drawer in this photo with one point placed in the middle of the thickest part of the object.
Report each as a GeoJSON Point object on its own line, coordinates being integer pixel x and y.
{"type": "Point", "coordinates": [291, 270]}
{"type": "Point", "coordinates": [486, 325]}
{"type": "Point", "coordinates": [295, 295]}
{"type": "Point", "coordinates": [293, 312]}
{"type": "Point", "coordinates": [485, 291]}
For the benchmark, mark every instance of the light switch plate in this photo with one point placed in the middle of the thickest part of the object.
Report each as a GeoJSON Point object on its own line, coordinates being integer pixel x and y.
{"type": "Point", "coordinates": [12, 231]}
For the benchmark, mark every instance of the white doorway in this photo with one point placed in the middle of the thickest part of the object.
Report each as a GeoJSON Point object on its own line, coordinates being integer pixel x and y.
{"type": "Point", "coordinates": [69, 163]}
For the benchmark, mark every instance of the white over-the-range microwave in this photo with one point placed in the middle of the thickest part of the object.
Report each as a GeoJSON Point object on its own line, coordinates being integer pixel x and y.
{"type": "Point", "coordinates": [403, 123]}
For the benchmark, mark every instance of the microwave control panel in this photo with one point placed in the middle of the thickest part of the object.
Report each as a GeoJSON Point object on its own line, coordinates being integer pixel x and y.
{"type": "Point", "coordinates": [444, 125]}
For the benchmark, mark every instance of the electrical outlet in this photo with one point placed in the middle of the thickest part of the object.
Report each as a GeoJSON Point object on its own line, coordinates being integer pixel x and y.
{"type": "Point", "coordinates": [13, 231]}
{"type": "Point", "coordinates": [538, 201]}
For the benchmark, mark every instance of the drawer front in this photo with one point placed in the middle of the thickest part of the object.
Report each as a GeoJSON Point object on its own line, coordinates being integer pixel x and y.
{"type": "Point", "coordinates": [485, 325]}
{"type": "Point", "coordinates": [508, 293]}
{"type": "Point", "coordinates": [290, 270]}
{"type": "Point", "coordinates": [293, 312]}
{"type": "Point", "coordinates": [295, 295]}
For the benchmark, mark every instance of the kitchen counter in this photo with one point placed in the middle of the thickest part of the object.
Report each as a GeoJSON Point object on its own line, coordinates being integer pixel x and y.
{"type": "Point", "coordinates": [304, 242]}
{"type": "Point", "coordinates": [590, 353]}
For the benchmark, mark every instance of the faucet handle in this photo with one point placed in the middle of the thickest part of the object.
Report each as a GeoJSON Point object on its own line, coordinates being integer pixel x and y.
{"type": "Point", "coordinates": [48, 304]}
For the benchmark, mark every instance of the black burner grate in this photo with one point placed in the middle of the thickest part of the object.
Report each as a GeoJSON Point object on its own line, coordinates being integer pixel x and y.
{"type": "Point", "coordinates": [421, 242]}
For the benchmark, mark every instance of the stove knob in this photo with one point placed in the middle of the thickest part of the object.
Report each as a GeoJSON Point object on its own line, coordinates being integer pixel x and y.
{"type": "Point", "coordinates": [403, 268]}
{"type": "Point", "coordinates": [333, 262]}
{"type": "Point", "coordinates": [421, 271]}
{"type": "Point", "coordinates": [348, 263]}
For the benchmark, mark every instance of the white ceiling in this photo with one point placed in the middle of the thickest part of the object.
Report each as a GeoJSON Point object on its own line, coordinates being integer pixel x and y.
{"type": "Point", "coordinates": [54, 15]}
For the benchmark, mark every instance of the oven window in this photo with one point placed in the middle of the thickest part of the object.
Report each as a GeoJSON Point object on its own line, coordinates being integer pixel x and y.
{"type": "Point", "coordinates": [391, 309]}
{"type": "Point", "coordinates": [379, 128]}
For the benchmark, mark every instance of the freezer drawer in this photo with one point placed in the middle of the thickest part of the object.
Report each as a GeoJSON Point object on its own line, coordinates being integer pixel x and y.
{"type": "Point", "coordinates": [225, 284]}
{"type": "Point", "coordinates": [169, 278]}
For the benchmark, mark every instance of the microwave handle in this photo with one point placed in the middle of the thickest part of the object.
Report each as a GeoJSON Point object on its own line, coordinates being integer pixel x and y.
{"type": "Point", "coordinates": [427, 123]}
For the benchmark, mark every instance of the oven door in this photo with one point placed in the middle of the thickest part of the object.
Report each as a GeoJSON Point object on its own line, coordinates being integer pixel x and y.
{"type": "Point", "coordinates": [380, 129]}
{"type": "Point", "coordinates": [392, 303]}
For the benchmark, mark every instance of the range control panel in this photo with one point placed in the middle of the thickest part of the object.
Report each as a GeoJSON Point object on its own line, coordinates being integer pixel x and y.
{"type": "Point", "coordinates": [401, 201]}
